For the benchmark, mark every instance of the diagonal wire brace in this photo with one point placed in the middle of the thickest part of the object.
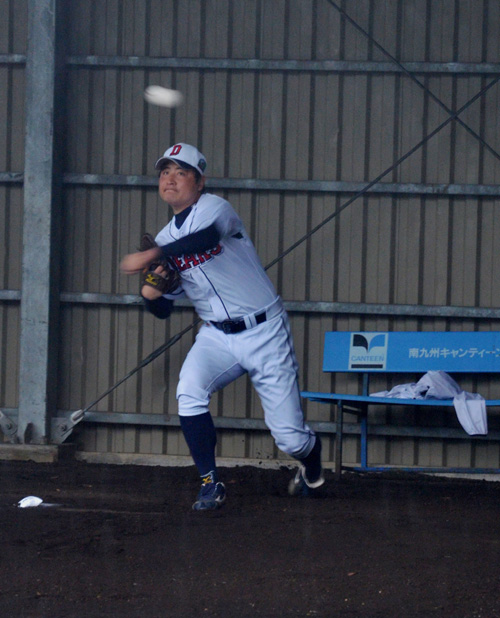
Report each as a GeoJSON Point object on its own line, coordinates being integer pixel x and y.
{"type": "Point", "coordinates": [62, 428]}
{"type": "Point", "coordinates": [413, 77]}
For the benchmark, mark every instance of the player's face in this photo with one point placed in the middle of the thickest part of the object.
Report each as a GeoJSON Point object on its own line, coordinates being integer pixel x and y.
{"type": "Point", "coordinates": [179, 187]}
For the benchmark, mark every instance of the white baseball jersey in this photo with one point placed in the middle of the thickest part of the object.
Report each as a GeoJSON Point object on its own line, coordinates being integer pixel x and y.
{"type": "Point", "coordinates": [226, 282]}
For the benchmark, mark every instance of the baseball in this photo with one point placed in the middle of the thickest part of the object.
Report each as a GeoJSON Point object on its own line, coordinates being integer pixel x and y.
{"type": "Point", "coordinates": [157, 95]}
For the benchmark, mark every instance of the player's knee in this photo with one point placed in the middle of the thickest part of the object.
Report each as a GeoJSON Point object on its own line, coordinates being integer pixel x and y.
{"type": "Point", "coordinates": [296, 444]}
{"type": "Point", "coordinates": [192, 404]}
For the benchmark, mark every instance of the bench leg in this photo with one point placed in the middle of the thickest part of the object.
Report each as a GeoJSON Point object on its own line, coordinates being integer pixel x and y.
{"type": "Point", "coordinates": [364, 440]}
{"type": "Point", "coordinates": [338, 441]}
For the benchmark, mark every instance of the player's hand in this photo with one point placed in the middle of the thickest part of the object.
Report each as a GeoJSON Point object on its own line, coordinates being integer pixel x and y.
{"type": "Point", "coordinates": [136, 262]}
{"type": "Point", "coordinates": [149, 292]}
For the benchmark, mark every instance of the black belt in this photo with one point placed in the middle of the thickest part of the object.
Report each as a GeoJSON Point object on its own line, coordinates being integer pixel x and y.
{"type": "Point", "coordinates": [231, 327]}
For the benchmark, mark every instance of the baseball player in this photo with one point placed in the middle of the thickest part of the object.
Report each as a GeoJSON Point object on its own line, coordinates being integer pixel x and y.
{"type": "Point", "coordinates": [204, 253]}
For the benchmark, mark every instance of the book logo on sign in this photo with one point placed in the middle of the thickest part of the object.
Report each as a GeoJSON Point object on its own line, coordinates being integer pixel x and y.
{"type": "Point", "coordinates": [368, 351]}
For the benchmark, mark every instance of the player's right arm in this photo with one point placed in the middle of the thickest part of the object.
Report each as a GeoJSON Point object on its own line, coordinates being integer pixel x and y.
{"type": "Point", "coordinates": [214, 220]}
{"type": "Point", "coordinates": [197, 242]}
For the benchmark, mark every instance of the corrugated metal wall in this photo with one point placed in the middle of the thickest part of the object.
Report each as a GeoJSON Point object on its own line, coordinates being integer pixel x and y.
{"type": "Point", "coordinates": [13, 34]}
{"type": "Point", "coordinates": [283, 92]}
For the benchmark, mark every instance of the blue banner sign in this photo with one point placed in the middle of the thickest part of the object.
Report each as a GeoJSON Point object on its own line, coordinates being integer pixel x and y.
{"type": "Point", "coordinates": [410, 352]}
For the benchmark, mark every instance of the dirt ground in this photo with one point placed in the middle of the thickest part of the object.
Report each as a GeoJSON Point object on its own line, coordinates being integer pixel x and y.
{"type": "Point", "coordinates": [123, 541]}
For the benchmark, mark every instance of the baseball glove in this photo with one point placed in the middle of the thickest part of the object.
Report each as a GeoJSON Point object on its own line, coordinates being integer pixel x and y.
{"type": "Point", "coordinates": [165, 283]}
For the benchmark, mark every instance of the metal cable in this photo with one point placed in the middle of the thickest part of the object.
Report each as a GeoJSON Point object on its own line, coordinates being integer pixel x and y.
{"type": "Point", "coordinates": [144, 362]}
{"type": "Point", "coordinates": [178, 336]}
{"type": "Point", "coordinates": [384, 173]}
{"type": "Point", "coordinates": [413, 78]}
{"type": "Point", "coordinates": [452, 116]}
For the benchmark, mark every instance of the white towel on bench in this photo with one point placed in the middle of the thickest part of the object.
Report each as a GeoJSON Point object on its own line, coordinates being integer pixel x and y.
{"type": "Point", "coordinates": [471, 412]}
{"type": "Point", "coordinates": [469, 407]}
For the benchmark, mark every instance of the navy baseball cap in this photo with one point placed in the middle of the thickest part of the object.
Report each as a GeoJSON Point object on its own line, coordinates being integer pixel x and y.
{"type": "Point", "coordinates": [185, 156]}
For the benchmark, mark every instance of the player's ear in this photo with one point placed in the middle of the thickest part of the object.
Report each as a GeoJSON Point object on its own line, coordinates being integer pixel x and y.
{"type": "Point", "coordinates": [201, 183]}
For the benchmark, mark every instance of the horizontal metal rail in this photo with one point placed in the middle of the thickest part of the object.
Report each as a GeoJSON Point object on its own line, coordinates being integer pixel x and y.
{"type": "Point", "coordinates": [310, 186]}
{"type": "Point", "coordinates": [306, 186]}
{"type": "Point", "coordinates": [255, 424]}
{"type": "Point", "coordinates": [11, 177]}
{"type": "Point", "coordinates": [10, 295]}
{"type": "Point", "coordinates": [325, 427]}
{"type": "Point", "coordinates": [304, 306]}
{"type": "Point", "coordinates": [254, 64]}
{"type": "Point", "coordinates": [12, 59]}
{"type": "Point", "coordinates": [419, 469]}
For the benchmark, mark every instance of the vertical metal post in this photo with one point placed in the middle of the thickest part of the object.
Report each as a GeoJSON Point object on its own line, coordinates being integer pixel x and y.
{"type": "Point", "coordinates": [39, 299]}
{"type": "Point", "coordinates": [364, 438]}
{"type": "Point", "coordinates": [338, 440]}
{"type": "Point", "coordinates": [364, 423]}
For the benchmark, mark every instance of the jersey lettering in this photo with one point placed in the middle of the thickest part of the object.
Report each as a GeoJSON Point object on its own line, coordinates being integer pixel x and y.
{"type": "Point", "coordinates": [191, 260]}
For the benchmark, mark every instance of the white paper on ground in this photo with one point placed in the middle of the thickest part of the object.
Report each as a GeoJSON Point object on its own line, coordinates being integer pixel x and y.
{"type": "Point", "coordinates": [29, 501]}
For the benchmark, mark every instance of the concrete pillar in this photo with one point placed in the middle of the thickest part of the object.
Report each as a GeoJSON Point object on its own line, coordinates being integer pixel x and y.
{"type": "Point", "coordinates": [39, 292]}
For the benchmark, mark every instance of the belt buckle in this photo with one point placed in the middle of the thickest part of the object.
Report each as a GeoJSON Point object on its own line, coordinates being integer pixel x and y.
{"type": "Point", "coordinates": [227, 327]}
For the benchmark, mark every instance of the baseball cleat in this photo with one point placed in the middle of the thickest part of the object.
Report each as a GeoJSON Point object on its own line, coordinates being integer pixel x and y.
{"type": "Point", "coordinates": [211, 496]}
{"type": "Point", "coordinates": [300, 485]}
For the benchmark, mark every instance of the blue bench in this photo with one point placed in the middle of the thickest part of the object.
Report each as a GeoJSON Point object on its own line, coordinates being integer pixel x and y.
{"type": "Point", "coordinates": [371, 353]}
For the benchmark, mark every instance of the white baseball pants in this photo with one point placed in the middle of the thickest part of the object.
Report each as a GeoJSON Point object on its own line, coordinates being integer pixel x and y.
{"type": "Point", "coordinates": [266, 352]}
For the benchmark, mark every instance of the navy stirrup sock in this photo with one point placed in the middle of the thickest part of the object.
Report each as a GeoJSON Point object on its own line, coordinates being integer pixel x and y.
{"type": "Point", "coordinates": [312, 462]}
{"type": "Point", "coordinates": [199, 433]}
